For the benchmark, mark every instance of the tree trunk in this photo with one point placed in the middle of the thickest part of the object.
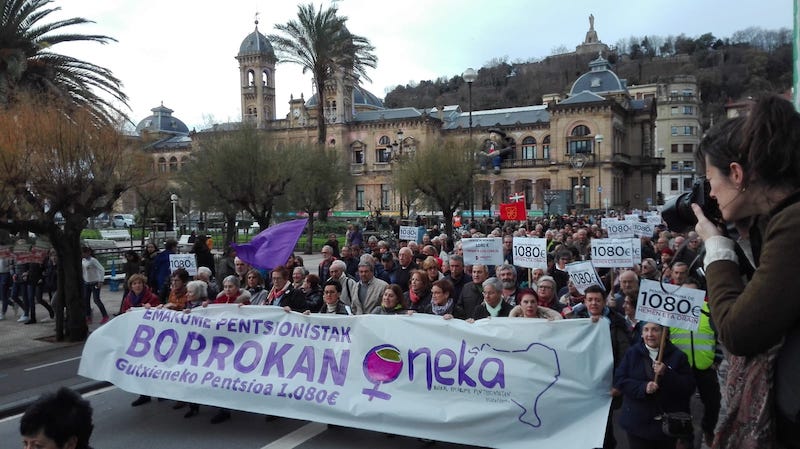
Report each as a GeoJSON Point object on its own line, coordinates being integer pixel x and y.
{"type": "Point", "coordinates": [310, 239]}
{"type": "Point", "coordinates": [67, 244]}
{"type": "Point", "coordinates": [230, 230]}
{"type": "Point", "coordinates": [448, 220]}
{"type": "Point", "coordinates": [321, 123]}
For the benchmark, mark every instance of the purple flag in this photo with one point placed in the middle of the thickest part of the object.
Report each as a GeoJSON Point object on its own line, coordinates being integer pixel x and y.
{"type": "Point", "coordinates": [272, 246]}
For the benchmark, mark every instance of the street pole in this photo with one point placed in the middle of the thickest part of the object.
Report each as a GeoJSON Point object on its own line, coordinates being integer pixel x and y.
{"type": "Point", "coordinates": [469, 76]}
{"type": "Point", "coordinates": [174, 199]}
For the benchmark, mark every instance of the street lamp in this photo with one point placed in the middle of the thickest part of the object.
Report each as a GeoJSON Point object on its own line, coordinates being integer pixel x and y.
{"type": "Point", "coordinates": [174, 199]}
{"type": "Point", "coordinates": [469, 76]}
{"type": "Point", "coordinates": [660, 154]}
{"type": "Point", "coordinates": [397, 149]}
{"type": "Point", "coordinates": [578, 161]}
{"type": "Point", "coordinates": [598, 139]}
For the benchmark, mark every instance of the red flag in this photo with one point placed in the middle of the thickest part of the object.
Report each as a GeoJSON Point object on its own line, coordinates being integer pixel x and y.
{"type": "Point", "coordinates": [513, 211]}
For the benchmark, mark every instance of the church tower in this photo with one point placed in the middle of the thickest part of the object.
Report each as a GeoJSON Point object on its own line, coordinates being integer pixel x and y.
{"type": "Point", "coordinates": [257, 79]}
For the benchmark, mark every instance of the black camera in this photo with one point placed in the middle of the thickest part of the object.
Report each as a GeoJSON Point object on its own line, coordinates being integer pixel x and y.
{"type": "Point", "coordinates": [677, 211]}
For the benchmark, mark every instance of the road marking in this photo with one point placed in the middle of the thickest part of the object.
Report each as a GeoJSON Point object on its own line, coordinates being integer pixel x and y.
{"type": "Point", "coordinates": [298, 437]}
{"type": "Point", "coordinates": [33, 368]}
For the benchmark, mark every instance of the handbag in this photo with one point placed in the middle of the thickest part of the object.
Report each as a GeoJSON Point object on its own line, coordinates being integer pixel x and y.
{"type": "Point", "coordinates": [676, 424]}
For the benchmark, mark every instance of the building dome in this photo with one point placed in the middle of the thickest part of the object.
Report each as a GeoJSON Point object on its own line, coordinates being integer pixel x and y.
{"type": "Point", "coordinates": [256, 44]}
{"type": "Point", "coordinates": [599, 79]}
{"type": "Point", "coordinates": [162, 121]}
{"type": "Point", "coordinates": [362, 99]}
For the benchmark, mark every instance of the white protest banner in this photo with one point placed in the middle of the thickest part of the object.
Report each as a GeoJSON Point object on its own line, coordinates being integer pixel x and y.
{"type": "Point", "coordinates": [516, 382]}
{"type": "Point", "coordinates": [606, 222]}
{"type": "Point", "coordinates": [583, 275]}
{"type": "Point", "coordinates": [618, 229]}
{"type": "Point", "coordinates": [612, 253]}
{"type": "Point", "coordinates": [670, 305]}
{"type": "Point", "coordinates": [483, 251]}
{"type": "Point", "coordinates": [642, 229]}
{"type": "Point", "coordinates": [631, 217]}
{"type": "Point", "coordinates": [408, 233]}
{"type": "Point", "coordinates": [186, 261]}
{"type": "Point", "coordinates": [530, 252]}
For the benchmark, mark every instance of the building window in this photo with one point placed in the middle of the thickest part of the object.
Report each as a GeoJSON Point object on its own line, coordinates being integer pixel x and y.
{"type": "Point", "coordinates": [688, 165]}
{"type": "Point", "coordinates": [688, 93]}
{"type": "Point", "coordinates": [382, 155]}
{"type": "Point", "coordinates": [675, 165]}
{"type": "Point", "coordinates": [384, 141]}
{"type": "Point", "coordinates": [358, 152]}
{"type": "Point", "coordinates": [546, 147]}
{"type": "Point", "coordinates": [513, 144]}
{"type": "Point", "coordinates": [688, 148]}
{"type": "Point", "coordinates": [162, 165]}
{"type": "Point", "coordinates": [674, 110]}
{"type": "Point", "coordinates": [580, 131]}
{"type": "Point", "coordinates": [528, 148]}
{"type": "Point", "coordinates": [386, 195]}
{"type": "Point", "coordinates": [673, 184]}
{"type": "Point", "coordinates": [687, 182]}
{"type": "Point", "coordinates": [359, 197]}
{"type": "Point", "coordinates": [688, 110]}
{"type": "Point", "coordinates": [674, 130]}
{"type": "Point", "coordinates": [688, 130]}
{"type": "Point", "coordinates": [674, 147]}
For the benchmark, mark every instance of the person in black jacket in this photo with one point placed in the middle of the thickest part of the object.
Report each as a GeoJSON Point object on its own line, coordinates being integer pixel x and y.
{"type": "Point", "coordinates": [493, 304]}
{"type": "Point", "coordinates": [644, 396]}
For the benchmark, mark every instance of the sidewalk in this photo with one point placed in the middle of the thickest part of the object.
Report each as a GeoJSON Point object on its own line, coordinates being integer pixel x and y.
{"type": "Point", "coordinates": [19, 338]}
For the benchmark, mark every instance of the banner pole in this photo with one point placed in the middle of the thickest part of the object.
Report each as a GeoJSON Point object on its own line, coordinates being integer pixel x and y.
{"type": "Point", "coordinates": [664, 330]}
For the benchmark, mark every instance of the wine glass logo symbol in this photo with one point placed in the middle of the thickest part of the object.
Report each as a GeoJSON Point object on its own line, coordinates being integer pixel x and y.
{"type": "Point", "coordinates": [382, 364]}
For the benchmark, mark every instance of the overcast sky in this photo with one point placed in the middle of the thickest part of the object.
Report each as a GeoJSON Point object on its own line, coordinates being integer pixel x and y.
{"type": "Point", "coordinates": [181, 52]}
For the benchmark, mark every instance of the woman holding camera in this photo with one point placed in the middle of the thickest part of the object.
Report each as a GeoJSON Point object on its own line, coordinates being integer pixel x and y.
{"type": "Point", "coordinates": [753, 167]}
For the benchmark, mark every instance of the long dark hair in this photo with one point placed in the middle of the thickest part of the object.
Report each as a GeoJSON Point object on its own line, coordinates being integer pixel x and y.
{"type": "Point", "coordinates": [765, 144]}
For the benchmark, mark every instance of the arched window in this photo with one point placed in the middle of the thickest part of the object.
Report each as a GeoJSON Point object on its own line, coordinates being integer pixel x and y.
{"type": "Point", "coordinates": [384, 140]}
{"type": "Point", "coordinates": [265, 78]}
{"type": "Point", "coordinates": [162, 165]}
{"type": "Point", "coordinates": [529, 148]}
{"type": "Point", "coordinates": [580, 131]}
{"type": "Point", "coordinates": [579, 141]}
{"type": "Point", "coordinates": [173, 163]}
{"type": "Point", "coordinates": [251, 78]}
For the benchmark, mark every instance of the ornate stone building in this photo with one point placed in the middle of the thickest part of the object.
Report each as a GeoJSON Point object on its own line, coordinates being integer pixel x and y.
{"type": "Point", "coordinates": [589, 147]}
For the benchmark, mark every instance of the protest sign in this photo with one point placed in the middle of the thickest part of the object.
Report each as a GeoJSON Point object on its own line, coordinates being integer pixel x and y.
{"type": "Point", "coordinates": [186, 261]}
{"type": "Point", "coordinates": [642, 229]}
{"type": "Point", "coordinates": [618, 229]}
{"type": "Point", "coordinates": [410, 233]}
{"type": "Point", "coordinates": [516, 382]}
{"type": "Point", "coordinates": [669, 305]}
{"type": "Point", "coordinates": [612, 253]}
{"type": "Point", "coordinates": [654, 219]}
{"type": "Point", "coordinates": [530, 252]}
{"type": "Point", "coordinates": [583, 275]}
{"type": "Point", "coordinates": [483, 251]}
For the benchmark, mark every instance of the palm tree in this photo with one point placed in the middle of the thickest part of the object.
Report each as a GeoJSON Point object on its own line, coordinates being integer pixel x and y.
{"type": "Point", "coordinates": [320, 43]}
{"type": "Point", "coordinates": [28, 64]}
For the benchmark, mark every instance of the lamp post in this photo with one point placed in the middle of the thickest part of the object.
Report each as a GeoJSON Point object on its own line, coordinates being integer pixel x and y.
{"type": "Point", "coordinates": [397, 149]}
{"type": "Point", "coordinates": [578, 161]}
{"type": "Point", "coordinates": [174, 200]}
{"type": "Point", "coordinates": [660, 154]}
{"type": "Point", "coordinates": [469, 76]}
{"type": "Point", "coordinates": [598, 139]}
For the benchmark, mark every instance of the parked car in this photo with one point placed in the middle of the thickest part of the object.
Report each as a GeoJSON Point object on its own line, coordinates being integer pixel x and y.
{"type": "Point", "coordinates": [122, 220]}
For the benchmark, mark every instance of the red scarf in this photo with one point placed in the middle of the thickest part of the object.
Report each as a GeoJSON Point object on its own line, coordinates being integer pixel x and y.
{"type": "Point", "coordinates": [275, 294]}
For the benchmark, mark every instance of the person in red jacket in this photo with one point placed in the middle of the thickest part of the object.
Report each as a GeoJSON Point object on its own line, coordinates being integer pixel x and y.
{"type": "Point", "coordinates": [139, 294]}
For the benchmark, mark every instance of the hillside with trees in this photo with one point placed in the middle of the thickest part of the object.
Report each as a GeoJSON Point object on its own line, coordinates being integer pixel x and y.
{"type": "Point", "coordinates": [750, 62]}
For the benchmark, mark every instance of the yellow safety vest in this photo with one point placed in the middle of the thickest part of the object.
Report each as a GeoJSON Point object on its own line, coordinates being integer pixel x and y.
{"type": "Point", "coordinates": [699, 346]}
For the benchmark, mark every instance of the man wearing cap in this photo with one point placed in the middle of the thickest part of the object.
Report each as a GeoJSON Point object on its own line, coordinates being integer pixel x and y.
{"type": "Point", "coordinates": [494, 149]}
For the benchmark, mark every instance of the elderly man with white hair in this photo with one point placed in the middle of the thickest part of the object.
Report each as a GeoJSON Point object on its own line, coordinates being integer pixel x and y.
{"type": "Point", "coordinates": [349, 285]}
